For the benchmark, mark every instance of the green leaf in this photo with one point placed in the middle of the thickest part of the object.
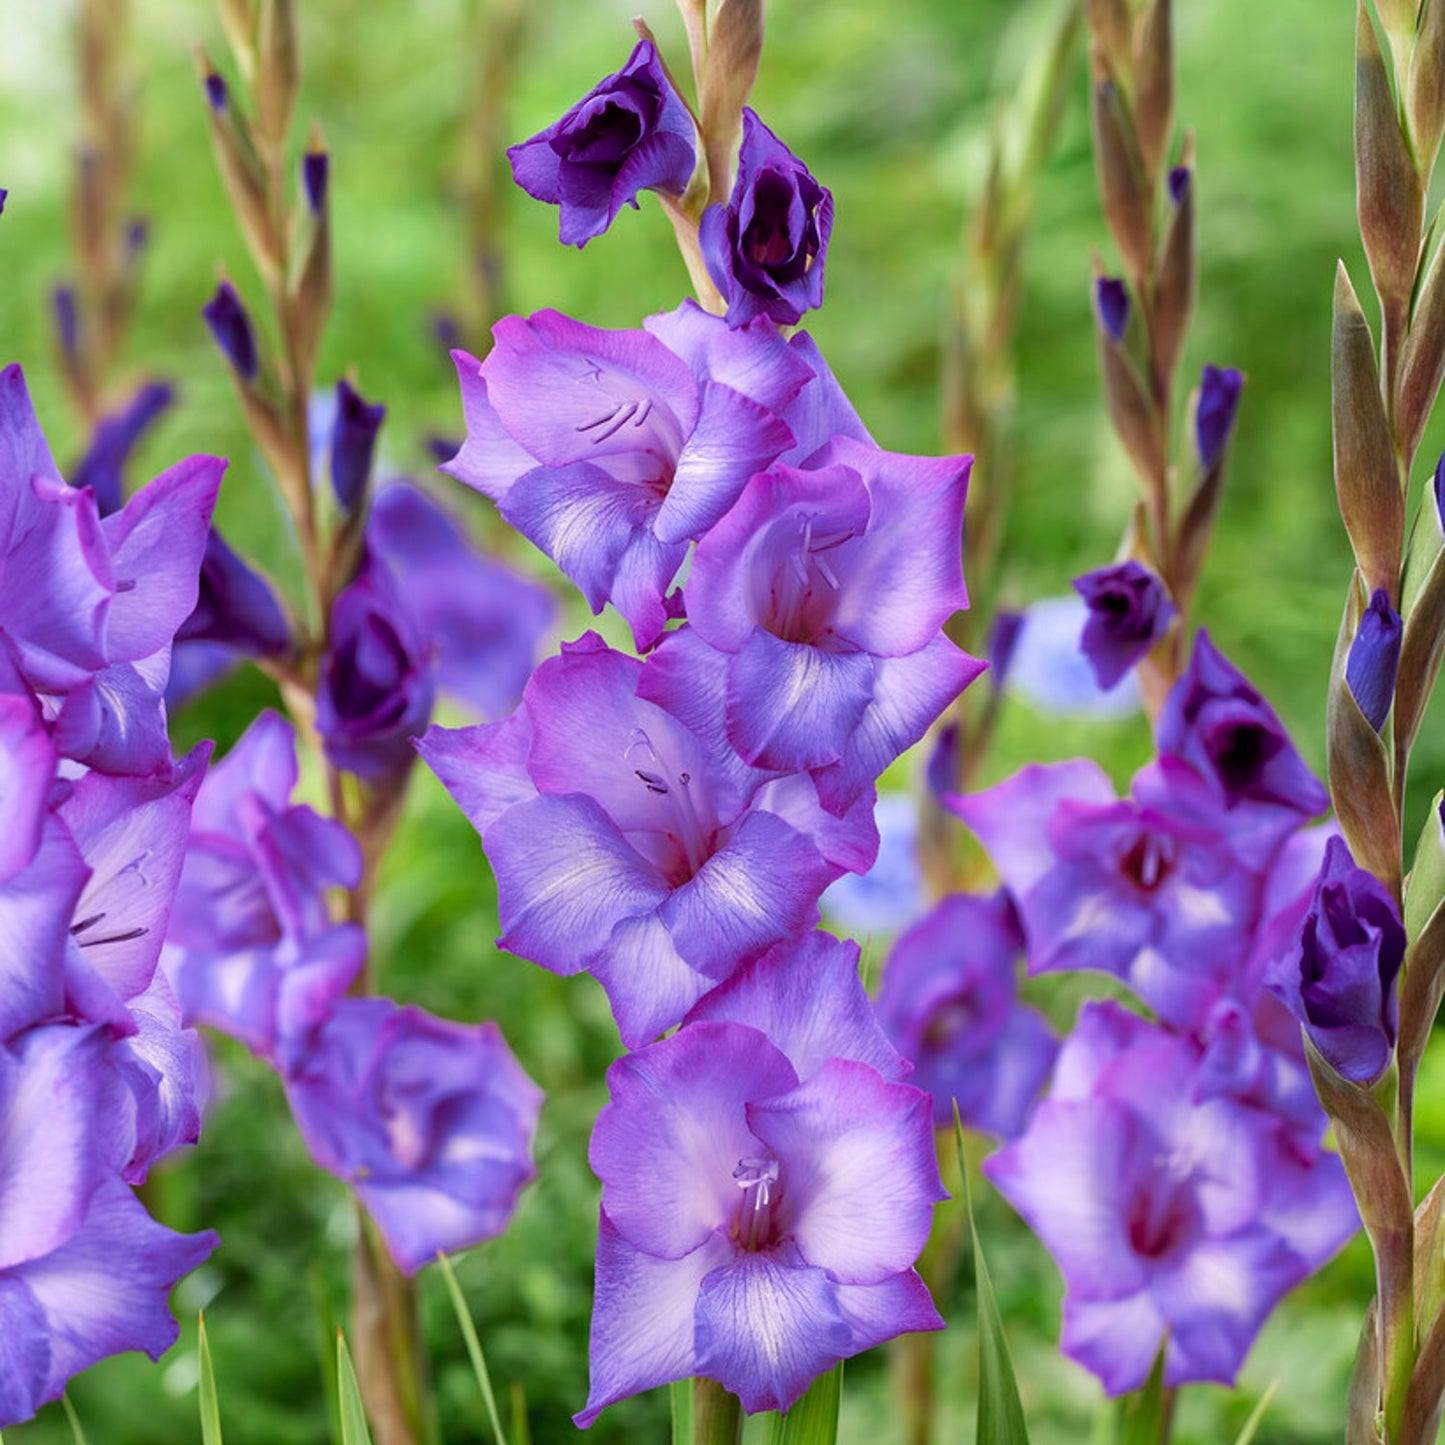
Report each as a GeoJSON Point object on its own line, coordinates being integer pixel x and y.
{"type": "Point", "coordinates": [1251, 1425]}
{"type": "Point", "coordinates": [474, 1347]}
{"type": "Point", "coordinates": [683, 1431]}
{"type": "Point", "coordinates": [76, 1433]}
{"type": "Point", "coordinates": [326, 1321]}
{"type": "Point", "coordinates": [353, 1416]}
{"type": "Point", "coordinates": [1142, 1413]}
{"type": "Point", "coordinates": [1000, 1412]}
{"type": "Point", "coordinates": [814, 1419]}
{"type": "Point", "coordinates": [210, 1406]}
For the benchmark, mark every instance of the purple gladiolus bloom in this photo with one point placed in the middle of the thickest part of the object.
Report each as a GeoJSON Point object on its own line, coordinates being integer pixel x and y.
{"type": "Point", "coordinates": [235, 606]}
{"type": "Point", "coordinates": [1123, 887]}
{"type": "Point", "coordinates": [1111, 300]}
{"type": "Point", "coordinates": [765, 249]}
{"type": "Point", "coordinates": [114, 439]}
{"type": "Point", "coordinates": [1339, 980]}
{"type": "Point", "coordinates": [890, 895]}
{"type": "Point", "coordinates": [948, 1003]}
{"type": "Point", "coordinates": [377, 680]}
{"type": "Point", "coordinates": [431, 1122]}
{"type": "Point", "coordinates": [84, 1270]}
{"type": "Point", "coordinates": [761, 1214]}
{"type": "Point", "coordinates": [629, 133]}
{"type": "Point", "coordinates": [353, 444]}
{"type": "Point", "coordinates": [637, 449]}
{"type": "Point", "coordinates": [252, 949]}
{"type": "Point", "coordinates": [1219, 394]}
{"type": "Point", "coordinates": [826, 589]}
{"type": "Point", "coordinates": [1047, 667]}
{"type": "Point", "coordinates": [1216, 721]}
{"type": "Point", "coordinates": [230, 326]}
{"type": "Point", "coordinates": [1375, 659]}
{"type": "Point", "coordinates": [1119, 1173]}
{"type": "Point", "coordinates": [1129, 612]}
{"type": "Point", "coordinates": [484, 621]}
{"type": "Point", "coordinates": [630, 842]}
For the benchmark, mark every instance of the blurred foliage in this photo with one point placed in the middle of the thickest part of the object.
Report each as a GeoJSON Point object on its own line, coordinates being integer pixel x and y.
{"type": "Point", "coordinates": [890, 105]}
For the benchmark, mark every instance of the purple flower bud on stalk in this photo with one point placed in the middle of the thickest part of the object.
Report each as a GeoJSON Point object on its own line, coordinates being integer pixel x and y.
{"type": "Point", "coordinates": [1001, 639]}
{"type": "Point", "coordinates": [137, 234]}
{"type": "Point", "coordinates": [1439, 486]}
{"type": "Point", "coordinates": [444, 449]}
{"type": "Point", "coordinates": [1340, 979]}
{"type": "Point", "coordinates": [1219, 393]}
{"type": "Point", "coordinates": [1129, 612]}
{"type": "Point", "coordinates": [114, 439]}
{"type": "Point", "coordinates": [3, 194]}
{"type": "Point", "coordinates": [1111, 300]}
{"type": "Point", "coordinates": [629, 133]}
{"type": "Point", "coordinates": [1180, 180]}
{"type": "Point", "coordinates": [231, 327]}
{"type": "Point", "coordinates": [67, 321]}
{"type": "Point", "coordinates": [1375, 659]}
{"type": "Point", "coordinates": [942, 771]}
{"type": "Point", "coordinates": [765, 249]}
{"type": "Point", "coordinates": [315, 173]}
{"type": "Point", "coordinates": [235, 606]}
{"type": "Point", "coordinates": [216, 92]}
{"type": "Point", "coordinates": [353, 444]}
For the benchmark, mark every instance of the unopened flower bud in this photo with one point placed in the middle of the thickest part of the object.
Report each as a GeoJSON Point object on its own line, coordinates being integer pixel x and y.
{"type": "Point", "coordinates": [353, 444]}
{"type": "Point", "coordinates": [216, 91]}
{"type": "Point", "coordinates": [1129, 611]}
{"type": "Point", "coordinates": [1180, 180]}
{"type": "Point", "coordinates": [315, 173]}
{"type": "Point", "coordinates": [1375, 659]}
{"type": "Point", "coordinates": [1219, 393]}
{"type": "Point", "coordinates": [1111, 299]}
{"type": "Point", "coordinates": [231, 328]}
{"type": "Point", "coordinates": [67, 320]}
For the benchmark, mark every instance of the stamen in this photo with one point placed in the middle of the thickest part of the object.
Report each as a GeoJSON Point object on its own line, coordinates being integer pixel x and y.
{"type": "Point", "coordinates": [652, 782]}
{"type": "Point", "coordinates": [613, 421]}
{"type": "Point", "coordinates": [86, 923]}
{"type": "Point", "coordinates": [128, 937]}
{"type": "Point", "coordinates": [126, 585]}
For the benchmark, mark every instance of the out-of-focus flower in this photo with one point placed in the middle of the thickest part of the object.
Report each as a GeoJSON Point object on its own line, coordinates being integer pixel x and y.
{"type": "Point", "coordinates": [1374, 659]}
{"type": "Point", "coordinates": [252, 950]}
{"type": "Point", "coordinates": [377, 680]}
{"type": "Point", "coordinates": [1129, 612]}
{"type": "Point", "coordinates": [113, 441]}
{"type": "Point", "coordinates": [761, 1212]}
{"type": "Point", "coordinates": [632, 454]}
{"type": "Point", "coordinates": [431, 1122]}
{"type": "Point", "coordinates": [629, 133]}
{"type": "Point", "coordinates": [353, 444]}
{"type": "Point", "coordinates": [1219, 393]}
{"type": "Point", "coordinates": [949, 1004]}
{"type": "Point", "coordinates": [1047, 666]}
{"type": "Point", "coordinates": [84, 1270]}
{"type": "Point", "coordinates": [890, 895]}
{"type": "Point", "coordinates": [632, 843]}
{"type": "Point", "coordinates": [1177, 1221]}
{"type": "Point", "coordinates": [1339, 980]}
{"type": "Point", "coordinates": [235, 606]}
{"type": "Point", "coordinates": [230, 326]}
{"type": "Point", "coordinates": [766, 248]}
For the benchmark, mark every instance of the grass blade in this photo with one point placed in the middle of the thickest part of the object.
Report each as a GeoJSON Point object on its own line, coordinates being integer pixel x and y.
{"type": "Point", "coordinates": [326, 1323]}
{"type": "Point", "coordinates": [210, 1405]}
{"type": "Point", "coordinates": [1142, 1414]}
{"type": "Point", "coordinates": [474, 1346]}
{"type": "Point", "coordinates": [353, 1417]}
{"type": "Point", "coordinates": [683, 1426]}
{"type": "Point", "coordinates": [1251, 1425]}
{"type": "Point", "coordinates": [76, 1433]}
{"type": "Point", "coordinates": [1000, 1411]}
{"type": "Point", "coordinates": [814, 1419]}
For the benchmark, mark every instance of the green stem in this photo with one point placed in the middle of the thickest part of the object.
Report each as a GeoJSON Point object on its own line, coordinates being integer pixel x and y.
{"type": "Point", "coordinates": [717, 1416]}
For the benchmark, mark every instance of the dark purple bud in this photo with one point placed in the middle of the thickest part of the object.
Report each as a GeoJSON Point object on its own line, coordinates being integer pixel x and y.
{"type": "Point", "coordinates": [1339, 980]}
{"type": "Point", "coordinates": [137, 233]}
{"type": "Point", "coordinates": [231, 328]}
{"type": "Point", "coordinates": [448, 332]}
{"type": "Point", "coordinates": [1217, 722]}
{"type": "Point", "coordinates": [103, 466]}
{"type": "Point", "coordinates": [1214, 420]}
{"type": "Point", "coordinates": [3, 194]}
{"type": "Point", "coordinates": [353, 444]}
{"type": "Point", "coordinates": [235, 606]}
{"type": "Point", "coordinates": [216, 90]}
{"type": "Point", "coordinates": [1440, 491]}
{"type": "Point", "coordinates": [629, 133]}
{"type": "Point", "coordinates": [1375, 659]}
{"type": "Point", "coordinates": [377, 680]}
{"type": "Point", "coordinates": [444, 449]}
{"type": "Point", "coordinates": [67, 319]}
{"type": "Point", "coordinates": [1002, 637]}
{"type": "Point", "coordinates": [1111, 300]}
{"type": "Point", "coordinates": [315, 173]}
{"type": "Point", "coordinates": [1180, 179]}
{"type": "Point", "coordinates": [765, 249]}
{"type": "Point", "coordinates": [1129, 612]}
{"type": "Point", "coordinates": [943, 771]}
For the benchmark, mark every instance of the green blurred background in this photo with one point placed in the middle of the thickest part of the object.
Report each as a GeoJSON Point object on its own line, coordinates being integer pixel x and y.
{"type": "Point", "coordinates": [891, 106]}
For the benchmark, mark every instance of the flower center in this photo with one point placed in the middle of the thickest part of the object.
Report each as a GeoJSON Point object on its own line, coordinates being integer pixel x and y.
{"type": "Point", "coordinates": [803, 589]}
{"type": "Point", "coordinates": [1162, 1214]}
{"type": "Point", "coordinates": [657, 776]}
{"type": "Point", "coordinates": [754, 1224]}
{"type": "Point", "coordinates": [1149, 860]}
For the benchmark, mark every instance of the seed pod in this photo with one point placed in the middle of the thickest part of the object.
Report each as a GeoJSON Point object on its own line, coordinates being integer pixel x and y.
{"type": "Point", "coordinates": [1122, 185]}
{"type": "Point", "coordinates": [1154, 85]}
{"type": "Point", "coordinates": [1366, 480]}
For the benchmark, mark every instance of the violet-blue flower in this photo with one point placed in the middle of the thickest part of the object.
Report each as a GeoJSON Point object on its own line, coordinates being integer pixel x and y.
{"type": "Point", "coordinates": [1048, 668]}
{"type": "Point", "coordinates": [1119, 1173]}
{"type": "Point", "coordinates": [377, 680]}
{"type": "Point", "coordinates": [631, 132]}
{"type": "Point", "coordinates": [112, 442]}
{"type": "Point", "coordinates": [1374, 659]}
{"type": "Point", "coordinates": [1339, 979]}
{"type": "Point", "coordinates": [760, 1216]}
{"type": "Point", "coordinates": [632, 453]}
{"type": "Point", "coordinates": [766, 248]}
{"type": "Point", "coordinates": [235, 606]}
{"type": "Point", "coordinates": [1129, 611]}
{"type": "Point", "coordinates": [430, 1121]}
{"type": "Point", "coordinates": [948, 1002]}
{"type": "Point", "coordinates": [630, 842]}
{"type": "Point", "coordinates": [826, 588]}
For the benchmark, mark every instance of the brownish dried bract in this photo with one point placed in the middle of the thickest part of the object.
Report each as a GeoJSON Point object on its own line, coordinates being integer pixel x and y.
{"type": "Point", "coordinates": [1123, 187]}
{"type": "Point", "coordinates": [734, 49]}
{"type": "Point", "coordinates": [1154, 85]}
{"type": "Point", "coordinates": [278, 71]}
